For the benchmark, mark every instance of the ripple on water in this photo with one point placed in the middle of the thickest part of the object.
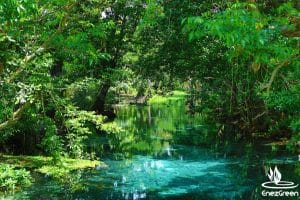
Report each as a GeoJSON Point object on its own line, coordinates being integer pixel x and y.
{"type": "Point", "coordinates": [167, 177]}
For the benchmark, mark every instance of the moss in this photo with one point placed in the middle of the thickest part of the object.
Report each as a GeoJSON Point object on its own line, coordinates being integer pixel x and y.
{"type": "Point", "coordinates": [172, 96]}
{"type": "Point", "coordinates": [45, 165]}
{"type": "Point", "coordinates": [179, 93]}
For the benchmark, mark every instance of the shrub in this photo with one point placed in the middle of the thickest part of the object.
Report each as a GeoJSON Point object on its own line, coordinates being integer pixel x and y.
{"type": "Point", "coordinates": [12, 179]}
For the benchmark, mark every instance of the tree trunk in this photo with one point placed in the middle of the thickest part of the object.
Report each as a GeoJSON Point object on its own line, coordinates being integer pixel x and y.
{"type": "Point", "coordinates": [99, 105]}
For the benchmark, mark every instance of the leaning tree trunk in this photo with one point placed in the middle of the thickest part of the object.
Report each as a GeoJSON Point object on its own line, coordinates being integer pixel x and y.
{"type": "Point", "coordinates": [99, 105]}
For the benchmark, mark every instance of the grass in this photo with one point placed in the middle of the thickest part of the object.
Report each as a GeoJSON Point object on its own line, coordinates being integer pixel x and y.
{"type": "Point", "coordinates": [45, 165]}
{"type": "Point", "coordinates": [172, 96]}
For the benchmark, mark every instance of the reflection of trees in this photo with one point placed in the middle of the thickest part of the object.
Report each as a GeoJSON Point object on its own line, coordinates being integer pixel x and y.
{"type": "Point", "coordinates": [146, 128]}
{"type": "Point", "coordinates": [154, 129]}
{"type": "Point", "coordinates": [64, 187]}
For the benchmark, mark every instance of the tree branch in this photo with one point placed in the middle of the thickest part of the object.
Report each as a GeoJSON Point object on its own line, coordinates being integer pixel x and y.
{"type": "Point", "coordinates": [26, 60]}
{"type": "Point", "coordinates": [292, 32]}
{"type": "Point", "coordinates": [41, 49]}
{"type": "Point", "coordinates": [274, 73]}
{"type": "Point", "coordinates": [15, 117]}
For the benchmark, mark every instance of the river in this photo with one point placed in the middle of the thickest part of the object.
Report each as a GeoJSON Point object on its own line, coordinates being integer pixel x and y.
{"type": "Point", "coordinates": [167, 153]}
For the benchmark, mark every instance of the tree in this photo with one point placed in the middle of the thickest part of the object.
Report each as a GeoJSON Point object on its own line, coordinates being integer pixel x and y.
{"type": "Point", "coordinates": [46, 46]}
{"type": "Point", "coordinates": [260, 51]}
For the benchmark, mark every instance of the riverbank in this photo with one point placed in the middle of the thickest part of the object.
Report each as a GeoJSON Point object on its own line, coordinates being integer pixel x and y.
{"type": "Point", "coordinates": [157, 140]}
{"type": "Point", "coordinates": [164, 99]}
{"type": "Point", "coordinates": [16, 171]}
{"type": "Point", "coordinates": [44, 164]}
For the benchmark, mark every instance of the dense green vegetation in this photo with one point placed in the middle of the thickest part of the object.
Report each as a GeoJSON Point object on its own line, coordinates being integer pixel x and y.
{"type": "Point", "coordinates": [12, 178]}
{"type": "Point", "coordinates": [64, 63]}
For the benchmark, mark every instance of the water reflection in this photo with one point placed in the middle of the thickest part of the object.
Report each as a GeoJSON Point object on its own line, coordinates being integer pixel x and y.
{"type": "Point", "coordinates": [153, 129]}
{"type": "Point", "coordinates": [159, 160]}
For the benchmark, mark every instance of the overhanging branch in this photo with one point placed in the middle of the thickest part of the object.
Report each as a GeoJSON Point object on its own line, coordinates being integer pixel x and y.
{"type": "Point", "coordinates": [15, 117]}
{"type": "Point", "coordinates": [25, 61]}
{"type": "Point", "coordinates": [275, 72]}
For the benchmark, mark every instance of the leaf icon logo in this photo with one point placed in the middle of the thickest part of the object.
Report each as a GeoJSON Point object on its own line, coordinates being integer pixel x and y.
{"type": "Point", "coordinates": [271, 174]}
{"type": "Point", "coordinates": [277, 176]}
{"type": "Point", "coordinates": [276, 182]}
{"type": "Point", "coordinates": [274, 176]}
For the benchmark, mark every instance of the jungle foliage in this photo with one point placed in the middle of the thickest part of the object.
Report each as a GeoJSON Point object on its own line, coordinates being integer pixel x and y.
{"type": "Point", "coordinates": [262, 79]}
{"type": "Point", "coordinates": [62, 62]}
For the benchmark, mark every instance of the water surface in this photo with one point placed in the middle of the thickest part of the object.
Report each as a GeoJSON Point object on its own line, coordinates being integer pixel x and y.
{"type": "Point", "coordinates": [167, 153]}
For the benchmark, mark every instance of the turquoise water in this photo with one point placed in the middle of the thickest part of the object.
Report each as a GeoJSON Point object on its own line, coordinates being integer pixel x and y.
{"type": "Point", "coordinates": [167, 153]}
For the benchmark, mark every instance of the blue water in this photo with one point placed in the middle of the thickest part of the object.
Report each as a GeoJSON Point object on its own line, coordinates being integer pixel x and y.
{"type": "Point", "coordinates": [161, 155]}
